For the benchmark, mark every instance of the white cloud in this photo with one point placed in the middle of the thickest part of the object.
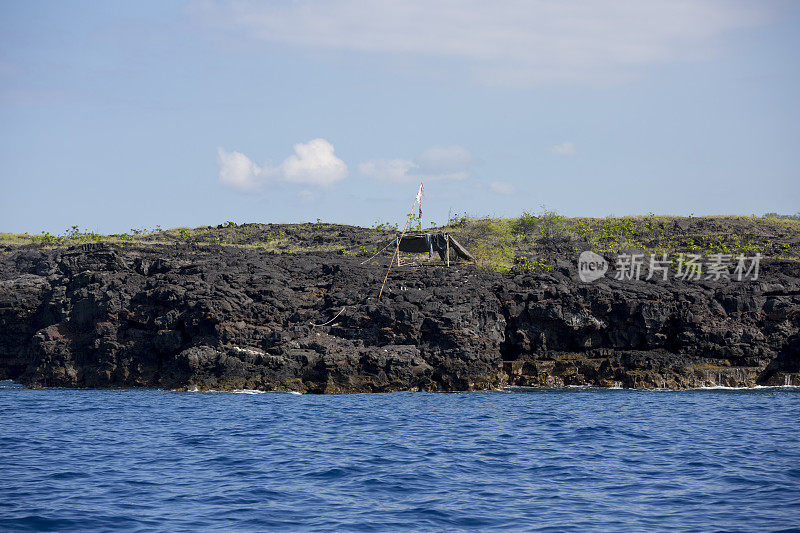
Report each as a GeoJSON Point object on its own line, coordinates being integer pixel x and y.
{"type": "Point", "coordinates": [565, 149]}
{"type": "Point", "coordinates": [313, 163]}
{"type": "Point", "coordinates": [503, 41]}
{"type": "Point", "coordinates": [435, 163]}
{"type": "Point", "coordinates": [395, 170]}
{"type": "Point", "coordinates": [502, 187]}
{"type": "Point", "coordinates": [238, 171]}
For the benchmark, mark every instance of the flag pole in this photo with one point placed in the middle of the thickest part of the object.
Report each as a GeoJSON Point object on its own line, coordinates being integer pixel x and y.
{"type": "Point", "coordinates": [417, 199]}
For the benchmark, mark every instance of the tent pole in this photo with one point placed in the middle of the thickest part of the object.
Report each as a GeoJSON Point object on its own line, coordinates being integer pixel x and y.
{"type": "Point", "coordinates": [447, 238]}
{"type": "Point", "coordinates": [397, 247]}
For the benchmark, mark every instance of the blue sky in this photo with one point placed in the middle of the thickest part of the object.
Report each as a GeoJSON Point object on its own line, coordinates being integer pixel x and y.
{"type": "Point", "coordinates": [116, 115]}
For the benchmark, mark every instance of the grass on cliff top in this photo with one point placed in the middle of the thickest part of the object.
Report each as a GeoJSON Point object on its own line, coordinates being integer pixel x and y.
{"type": "Point", "coordinates": [534, 241]}
{"type": "Point", "coordinates": [280, 238]}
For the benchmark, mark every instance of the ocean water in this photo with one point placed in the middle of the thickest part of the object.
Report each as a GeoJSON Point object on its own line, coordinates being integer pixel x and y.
{"type": "Point", "coordinates": [547, 460]}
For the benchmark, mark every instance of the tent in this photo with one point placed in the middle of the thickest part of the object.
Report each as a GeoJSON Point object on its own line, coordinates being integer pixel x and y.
{"type": "Point", "coordinates": [441, 243]}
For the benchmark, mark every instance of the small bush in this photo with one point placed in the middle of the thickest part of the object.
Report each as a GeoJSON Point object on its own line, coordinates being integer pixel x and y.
{"type": "Point", "coordinates": [796, 216]}
{"type": "Point", "coordinates": [524, 264]}
{"type": "Point", "coordinates": [526, 223]}
{"type": "Point", "coordinates": [547, 225]}
{"type": "Point", "coordinates": [458, 221]}
{"type": "Point", "coordinates": [492, 244]}
{"type": "Point", "coordinates": [385, 226]}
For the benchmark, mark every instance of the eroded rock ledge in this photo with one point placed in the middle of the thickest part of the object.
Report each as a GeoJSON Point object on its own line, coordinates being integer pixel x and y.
{"type": "Point", "coordinates": [239, 318]}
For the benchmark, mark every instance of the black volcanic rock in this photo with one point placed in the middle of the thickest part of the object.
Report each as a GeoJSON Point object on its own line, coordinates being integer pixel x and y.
{"type": "Point", "coordinates": [213, 317]}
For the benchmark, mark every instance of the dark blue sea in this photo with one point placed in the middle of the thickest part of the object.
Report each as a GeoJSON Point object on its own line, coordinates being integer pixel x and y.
{"type": "Point", "coordinates": [547, 460]}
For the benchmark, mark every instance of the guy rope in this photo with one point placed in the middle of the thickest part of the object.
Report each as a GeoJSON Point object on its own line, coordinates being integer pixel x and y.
{"type": "Point", "coordinates": [417, 200]}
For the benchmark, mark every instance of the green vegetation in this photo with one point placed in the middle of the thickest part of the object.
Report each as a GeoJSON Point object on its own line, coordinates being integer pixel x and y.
{"type": "Point", "coordinates": [796, 216]}
{"type": "Point", "coordinates": [534, 242]}
{"type": "Point", "coordinates": [492, 242]}
{"type": "Point", "coordinates": [525, 264]}
{"type": "Point", "coordinates": [458, 221]}
{"type": "Point", "coordinates": [385, 226]}
{"type": "Point", "coordinates": [539, 239]}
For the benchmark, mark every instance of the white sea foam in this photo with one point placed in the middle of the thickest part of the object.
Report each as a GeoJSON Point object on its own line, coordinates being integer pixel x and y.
{"type": "Point", "coordinates": [237, 391]}
{"type": "Point", "coordinates": [757, 387]}
{"type": "Point", "coordinates": [619, 387]}
{"type": "Point", "coordinates": [723, 387]}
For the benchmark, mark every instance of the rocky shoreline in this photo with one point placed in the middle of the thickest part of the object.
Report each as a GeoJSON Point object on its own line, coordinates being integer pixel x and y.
{"type": "Point", "coordinates": [227, 318]}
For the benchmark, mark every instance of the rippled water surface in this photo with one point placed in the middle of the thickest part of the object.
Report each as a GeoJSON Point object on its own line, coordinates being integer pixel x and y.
{"type": "Point", "coordinates": [545, 460]}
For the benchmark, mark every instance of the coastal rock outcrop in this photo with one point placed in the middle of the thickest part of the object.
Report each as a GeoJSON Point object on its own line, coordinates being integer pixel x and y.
{"type": "Point", "coordinates": [217, 317]}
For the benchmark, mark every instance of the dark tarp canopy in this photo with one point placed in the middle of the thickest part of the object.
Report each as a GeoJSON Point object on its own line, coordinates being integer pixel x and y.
{"type": "Point", "coordinates": [434, 242]}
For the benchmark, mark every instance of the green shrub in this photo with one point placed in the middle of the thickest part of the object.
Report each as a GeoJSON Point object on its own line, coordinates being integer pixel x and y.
{"type": "Point", "coordinates": [458, 221]}
{"type": "Point", "coordinates": [492, 244]}
{"type": "Point", "coordinates": [385, 226]}
{"type": "Point", "coordinates": [524, 264]}
{"type": "Point", "coordinates": [796, 216]}
{"type": "Point", "coordinates": [547, 225]}
{"type": "Point", "coordinates": [526, 223]}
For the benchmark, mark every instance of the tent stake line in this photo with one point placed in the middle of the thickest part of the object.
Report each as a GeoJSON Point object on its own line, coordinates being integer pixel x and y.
{"type": "Point", "coordinates": [397, 247]}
